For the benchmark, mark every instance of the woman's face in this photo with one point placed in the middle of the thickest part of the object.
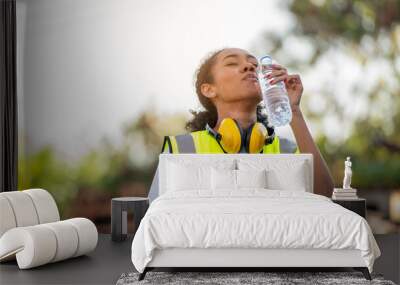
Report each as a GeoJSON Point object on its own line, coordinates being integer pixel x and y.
{"type": "Point", "coordinates": [235, 76]}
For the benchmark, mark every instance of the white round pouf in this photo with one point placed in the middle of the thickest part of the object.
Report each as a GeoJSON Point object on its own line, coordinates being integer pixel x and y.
{"type": "Point", "coordinates": [67, 240]}
{"type": "Point", "coordinates": [33, 246]}
{"type": "Point", "coordinates": [23, 208]}
{"type": "Point", "coordinates": [87, 233]}
{"type": "Point", "coordinates": [46, 207]}
{"type": "Point", "coordinates": [7, 216]}
{"type": "Point", "coordinates": [31, 231]}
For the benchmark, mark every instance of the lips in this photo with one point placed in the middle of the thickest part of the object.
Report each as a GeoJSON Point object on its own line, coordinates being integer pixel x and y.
{"type": "Point", "coordinates": [251, 77]}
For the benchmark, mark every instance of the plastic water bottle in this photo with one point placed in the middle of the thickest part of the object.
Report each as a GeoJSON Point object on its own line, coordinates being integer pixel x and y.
{"type": "Point", "coordinates": [275, 96]}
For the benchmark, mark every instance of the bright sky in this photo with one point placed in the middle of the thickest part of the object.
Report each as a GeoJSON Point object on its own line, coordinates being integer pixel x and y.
{"type": "Point", "coordinates": [167, 43]}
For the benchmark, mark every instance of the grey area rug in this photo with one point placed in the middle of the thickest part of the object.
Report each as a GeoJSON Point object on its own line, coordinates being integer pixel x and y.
{"type": "Point", "coordinates": [225, 278]}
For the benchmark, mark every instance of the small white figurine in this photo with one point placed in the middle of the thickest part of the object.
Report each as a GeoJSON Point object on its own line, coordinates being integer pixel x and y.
{"type": "Point", "coordinates": [347, 174]}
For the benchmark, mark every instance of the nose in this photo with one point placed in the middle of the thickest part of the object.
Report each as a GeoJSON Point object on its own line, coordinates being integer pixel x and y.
{"type": "Point", "coordinates": [248, 67]}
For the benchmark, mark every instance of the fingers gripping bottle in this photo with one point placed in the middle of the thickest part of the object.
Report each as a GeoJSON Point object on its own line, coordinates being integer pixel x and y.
{"type": "Point", "coordinates": [275, 96]}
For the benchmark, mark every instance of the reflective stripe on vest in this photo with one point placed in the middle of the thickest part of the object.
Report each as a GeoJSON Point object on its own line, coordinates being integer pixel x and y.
{"type": "Point", "coordinates": [203, 142]}
{"type": "Point", "coordinates": [185, 143]}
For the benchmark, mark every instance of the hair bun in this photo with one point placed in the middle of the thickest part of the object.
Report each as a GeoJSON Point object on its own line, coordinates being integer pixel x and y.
{"type": "Point", "coordinates": [200, 120]}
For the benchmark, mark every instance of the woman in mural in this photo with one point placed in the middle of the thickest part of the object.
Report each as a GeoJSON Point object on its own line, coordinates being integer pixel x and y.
{"type": "Point", "coordinates": [228, 89]}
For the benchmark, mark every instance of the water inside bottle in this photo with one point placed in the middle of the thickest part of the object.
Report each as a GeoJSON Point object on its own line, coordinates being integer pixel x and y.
{"type": "Point", "coordinates": [278, 107]}
{"type": "Point", "coordinates": [276, 100]}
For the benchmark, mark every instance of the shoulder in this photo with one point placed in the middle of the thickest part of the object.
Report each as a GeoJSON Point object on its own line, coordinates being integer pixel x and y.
{"type": "Point", "coordinates": [167, 145]}
{"type": "Point", "coordinates": [182, 143]}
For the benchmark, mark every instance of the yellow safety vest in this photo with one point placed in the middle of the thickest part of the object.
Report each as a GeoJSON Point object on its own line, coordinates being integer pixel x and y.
{"type": "Point", "coordinates": [202, 142]}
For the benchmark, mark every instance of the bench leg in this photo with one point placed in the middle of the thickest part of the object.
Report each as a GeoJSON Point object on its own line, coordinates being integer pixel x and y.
{"type": "Point", "coordinates": [143, 274]}
{"type": "Point", "coordinates": [364, 271]}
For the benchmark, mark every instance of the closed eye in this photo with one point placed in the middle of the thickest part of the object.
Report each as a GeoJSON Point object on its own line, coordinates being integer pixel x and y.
{"type": "Point", "coordinates": [233, 63]}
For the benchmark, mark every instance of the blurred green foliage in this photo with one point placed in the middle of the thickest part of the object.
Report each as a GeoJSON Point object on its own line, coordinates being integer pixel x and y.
{"type": "Point", "coordinates": [105, 168]}
{"type": "Point", "coordinates": [366, 31]}
{"type": "Point", "coordinates": [43, 170]}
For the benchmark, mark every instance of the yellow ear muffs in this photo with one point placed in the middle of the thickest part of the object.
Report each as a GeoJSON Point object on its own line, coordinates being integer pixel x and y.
{"type": "Point", "coordinates": [255, 138]}
{"type": "Point", "coordinates": [231, 135]}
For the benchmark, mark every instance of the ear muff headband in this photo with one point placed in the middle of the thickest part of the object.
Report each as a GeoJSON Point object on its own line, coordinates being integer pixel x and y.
{"type": "Point", "coordinates": [247, 135]}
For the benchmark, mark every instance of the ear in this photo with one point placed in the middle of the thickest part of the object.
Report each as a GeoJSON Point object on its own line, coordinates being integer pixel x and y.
{"type": "Point", "coordinates": [208, 90]}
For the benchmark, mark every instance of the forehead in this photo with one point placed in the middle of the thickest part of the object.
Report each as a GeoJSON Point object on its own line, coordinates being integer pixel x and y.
{"type": "Point", "coordinates": [234, 53]}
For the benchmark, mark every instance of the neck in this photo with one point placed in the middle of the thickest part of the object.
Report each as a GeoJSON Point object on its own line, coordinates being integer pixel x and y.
{"type": "Point", "coordinates": [244, 115]}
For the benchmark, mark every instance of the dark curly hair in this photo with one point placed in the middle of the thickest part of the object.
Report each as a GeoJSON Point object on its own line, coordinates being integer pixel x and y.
{"type": "Point", "coordinates": [210, 115]}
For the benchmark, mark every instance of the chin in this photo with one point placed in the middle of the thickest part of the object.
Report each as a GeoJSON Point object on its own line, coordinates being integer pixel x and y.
{"type": "Point", "coordinates": [252, 96]}
{"type": "Point", "coordinates": [255, 95]}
